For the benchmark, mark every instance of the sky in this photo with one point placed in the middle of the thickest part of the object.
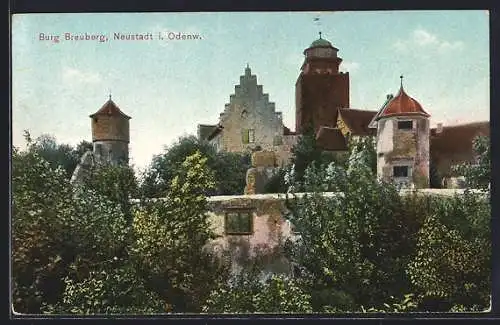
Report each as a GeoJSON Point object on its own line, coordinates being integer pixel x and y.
{"type": "Point", "coordinates": [168, 87]}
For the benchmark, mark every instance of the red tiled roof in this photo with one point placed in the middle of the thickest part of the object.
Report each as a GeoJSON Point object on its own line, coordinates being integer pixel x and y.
{"type": "Point", "coordinates": [110, 108]}
{"type": "Point", "coordinates": [456, 139]}
{"type": "Point", "coordinates": [402, 105]}
{"type": "Point", "coordinates": [358, 120]}
{"type": "Point", "coordinates": [331, 139]}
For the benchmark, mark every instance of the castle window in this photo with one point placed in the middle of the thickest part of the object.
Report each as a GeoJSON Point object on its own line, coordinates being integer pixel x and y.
{"type": "Point", "coordinates": [238, 222]}
{"type": "Point", "coordinates": [278, 140]}
{"type": "Point", "coordinates": [248, 136]}
{"type": "Point", "coordinates": [400, 171]}
{"type": "Point", "coordinates": [405, 125]}
{"type": "Point", "coordinates": [251, 136]}
{"type": "Point", "coordinates": [98, 149]}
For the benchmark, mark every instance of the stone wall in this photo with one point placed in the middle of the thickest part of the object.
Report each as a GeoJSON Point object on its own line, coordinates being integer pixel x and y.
{"type": "Point", "coordinates": [110, 127]}
{"type": "Point", "coordinates": [264, 166]}
{"type": "Point", "coordinates": [270, 227]}
{"type": "Point", "coordinates": [269, 230]}
{"type": "Point", "coordinates": [114, 152]}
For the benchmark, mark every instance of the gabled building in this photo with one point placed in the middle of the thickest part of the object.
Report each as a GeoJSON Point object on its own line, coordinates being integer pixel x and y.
{"type": "Point", "coordinates": [407, 148]}
{"type": "Point", "coordinates": [249, 122]}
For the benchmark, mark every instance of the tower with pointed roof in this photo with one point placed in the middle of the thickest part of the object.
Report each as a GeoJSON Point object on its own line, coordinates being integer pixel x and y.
{"type": "Point", "coordinates": [111, 133]}
{"type": "Point", "coordinates": [402, 141]}
{"type": "Point", "coordinates": [320, 89]}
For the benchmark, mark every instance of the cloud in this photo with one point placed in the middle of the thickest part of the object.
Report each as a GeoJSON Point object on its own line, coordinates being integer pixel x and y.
{"type": "Point", "coordinates": [75, 75]}
{"type": "Point", "coordinates": [347, 66]}
{"type": "Point", "coordinates": [422, 38]}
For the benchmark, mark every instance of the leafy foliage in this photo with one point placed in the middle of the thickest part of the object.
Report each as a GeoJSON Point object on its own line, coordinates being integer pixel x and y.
{"type": "Point", "coordinates": [405, 305]}
{"type": "Point", "coordinates": [249, 294]}
{"type": "Point", "coordinates": [63, 155]}
{"type": "Point", "coordinates": [477, 174]}
{"type": "Point", "coordinates": [367, 235]}
{"type": "Point", "coordinates": [64, 240]}
{"type": "Point", "coordinates": [114, 289]}
{"type": "Point", "coordinates": [276, 183]}
{"type": "Point", "coordinates": [306, 153]}
{"type": "Point", "coordinates": [86, 250]}
{"type": "Point", "coordinates": [115, 182]}
{"type": "Point", "coordinates": [452, 263]}
{"type": "Point", "coordinates": [229, 168]}
{"type": "Point", "coordinates": [171, 235]}
{"type": "Point", "coordinates": [56, 231]}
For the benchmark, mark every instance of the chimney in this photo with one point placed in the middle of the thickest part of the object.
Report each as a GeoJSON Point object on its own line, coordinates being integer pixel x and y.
{"type": "Point", "coordinates": [439, 128]}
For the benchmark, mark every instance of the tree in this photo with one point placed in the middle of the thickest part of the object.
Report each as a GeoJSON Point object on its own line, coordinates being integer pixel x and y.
{"type": "Point", "coordinates": [56, 231]}
{"type": "Point", "coordinates": [306, 153]}
{"type": "Point", "coordinates": [355, 245]}
{"type": "Point", "coordinates": [58, 154]}
{"type": "Point", "coordinates": [117, 183]}
{"type": "Point", "coordinates": [248, 294]}
{"type": "Point", "coordinates": [171, 235]}
{"type": "Point", "coordinates": [478, 173]}
{"type": "Point", "coordinates": [66, 241]}
{"type": "Point", "coordinates": [39, 193]}
{"type": "Point", "coordinates": [362, 151]}
{"type": "Point", "coordinates": [229, 168]}
{"type": "Point", "coordinates": [82, 148]}
{"type": "Point", "coordinates": [276, 183]}
{"type": "Point", "coordinates": [113, 288]}
{"type": "Point", "coordinates": [452, 266]}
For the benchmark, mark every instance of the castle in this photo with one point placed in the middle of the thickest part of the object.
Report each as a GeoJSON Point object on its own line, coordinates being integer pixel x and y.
{"type": "Point", "coordinates": [407, 148]}
{"type": "Point", "coordinates": [409, 152]}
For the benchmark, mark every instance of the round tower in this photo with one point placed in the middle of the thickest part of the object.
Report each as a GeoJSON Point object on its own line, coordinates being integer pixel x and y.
{"type": "Point", "coordinates": [111, 133]}
{"type": "Point", "coordinates": [321, 89]}
{"type": "Point", "coordinates": [403, 141]}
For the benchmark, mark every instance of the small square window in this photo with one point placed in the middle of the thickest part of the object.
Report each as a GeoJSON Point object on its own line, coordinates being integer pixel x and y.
{"type": "Point", "coordinates": [251, 136]}
{"type": "Point", "coordinates": [400, 171]}
{"type": "Point", "coordinates": [248, 136]}
{"type": "Point", "coordinates": [278, 140]}
{"type": "Point", "coordinates": [238, 222]}
{"type": "Point", "coordinates": [405, 125]}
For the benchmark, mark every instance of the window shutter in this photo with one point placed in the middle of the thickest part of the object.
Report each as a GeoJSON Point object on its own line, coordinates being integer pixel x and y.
{"type": "Point", "coordinates": [244, 136]}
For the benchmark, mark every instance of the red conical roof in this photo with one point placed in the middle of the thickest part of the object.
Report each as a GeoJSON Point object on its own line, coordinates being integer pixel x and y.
{"type": "Point", "coordinates": [110, 108]}
{"type": "Point", "coordinates": [402, 105]}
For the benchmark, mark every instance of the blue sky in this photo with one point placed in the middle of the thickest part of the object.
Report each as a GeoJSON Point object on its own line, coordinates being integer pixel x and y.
{"type": "Point", "coordinates": [168, 87]}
